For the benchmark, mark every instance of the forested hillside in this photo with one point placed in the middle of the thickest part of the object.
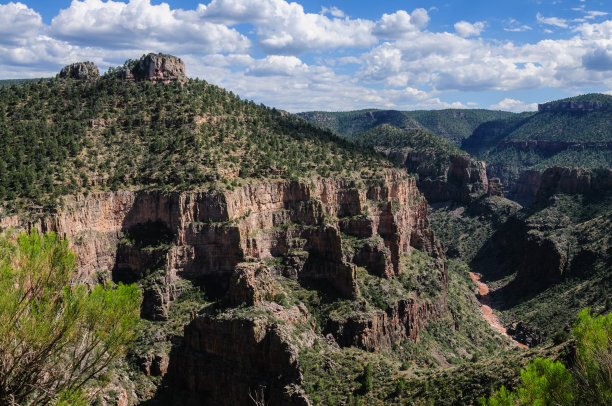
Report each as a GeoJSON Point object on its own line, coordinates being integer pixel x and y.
{"type": "Point", "coordinates": [66, 136]}
{"type": "Point", "coordinates": [451, 124]}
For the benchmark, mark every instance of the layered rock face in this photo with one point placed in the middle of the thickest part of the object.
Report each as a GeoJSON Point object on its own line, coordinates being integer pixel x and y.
{"type": "Point", "coordinates": [535, 185]}
{"type": "Point", "coordinates": [570, 106]}
{"type": "Point", "coordinates": [526, 187]}
{"type": "Point", "coordinates": [560, 179]}
{"type": "Point", "coordinates": [495, 187]}
{"type": "Point", "coordinates": [225, 241]}
{"type": "Point", "coordinates": [383, 329]}
{"type": "Point", "coordinates": [545, 252]}
{"type": "Point", "coordinates": [460, 180]}
{"type": "Point", "coordinates": [157, 68]}
{"type": "Point", "coordinates": [80, 70]}
{"type": "Point", "coordinates": [212, 233]}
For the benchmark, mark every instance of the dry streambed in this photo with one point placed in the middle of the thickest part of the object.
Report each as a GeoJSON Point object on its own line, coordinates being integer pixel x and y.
{"type": "Point", "coordinates": [487, 311]}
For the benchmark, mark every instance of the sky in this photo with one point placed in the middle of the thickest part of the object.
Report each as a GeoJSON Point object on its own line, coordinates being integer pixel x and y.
{"type": "Point", "coordinates": [333, 55]}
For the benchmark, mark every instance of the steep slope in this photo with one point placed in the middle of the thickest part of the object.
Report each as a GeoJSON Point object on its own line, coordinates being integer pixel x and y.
{"type": "Point", "coordinates": [253, 234]}
{"type": "Point", "coordinates": [575, 131]}
{"type": "Point", "coordinates": [553, 257]}
{"type": "Point", "coordinates": [451, 124]}
{"type": "Point", "coordinates": [65, 136]}
{"type": "Point", "coordinates": [444, 172]}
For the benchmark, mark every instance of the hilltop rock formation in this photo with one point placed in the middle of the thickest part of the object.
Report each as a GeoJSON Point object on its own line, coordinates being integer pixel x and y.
{"type": "Point", "coordinates": [80, 70]}
{"type": "Point", "coordinates": [570, 106]}
{"type": "Point", "coordinates": [157, 68]}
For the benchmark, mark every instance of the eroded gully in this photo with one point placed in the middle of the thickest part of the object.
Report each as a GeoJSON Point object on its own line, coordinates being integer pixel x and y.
{"type": "Point", "coordinates": [487, 311]}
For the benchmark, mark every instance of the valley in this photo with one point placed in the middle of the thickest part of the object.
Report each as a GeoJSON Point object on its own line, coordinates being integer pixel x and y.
{"type": "Point", "coordinates": [365, 257]}
{"type": "Point", "coordinates": [487, 311]}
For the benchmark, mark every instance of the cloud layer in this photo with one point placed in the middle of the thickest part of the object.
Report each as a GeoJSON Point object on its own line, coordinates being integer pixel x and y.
{"type": "Point", "coordinates": [276, 52]}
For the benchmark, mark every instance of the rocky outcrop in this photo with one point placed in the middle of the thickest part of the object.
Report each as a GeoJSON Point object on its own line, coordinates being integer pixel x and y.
{"type": "Point", "coordinates": [80, 70]}
{"type": "Point", "coordinates": [227, 360]}
{"type": "Point", "coordinates": [157, 68]}
{"type": "Point", "coordinates": [251, 284]}
{"type": "Point", "coordinates": [559, 179]}
{"type": "Point", "coordinates": [526, 187]}
{"type": "Point", "coordinates": [460, 179]}
{"type": "Point", "coordinates": [495, 187]}
{"type": "Point", "coordinates": [535, 185]}
{"type": "Point", "coordinates": [570, 106]}
{"type": "Point", "coordinates": [382, 329]}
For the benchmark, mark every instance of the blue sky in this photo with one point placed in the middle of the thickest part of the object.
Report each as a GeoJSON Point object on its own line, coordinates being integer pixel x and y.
{"type": "Point", "coordinates": [333, 55]}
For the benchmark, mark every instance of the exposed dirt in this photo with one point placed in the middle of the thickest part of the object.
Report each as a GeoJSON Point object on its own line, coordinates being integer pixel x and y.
{"type": "Point", "coordinates": [487, 311]}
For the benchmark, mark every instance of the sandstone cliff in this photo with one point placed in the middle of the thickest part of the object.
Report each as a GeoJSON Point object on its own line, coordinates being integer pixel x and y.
{"type": "Point", "coordinates": [460, 179]}
{"type": "Point", "coordinates": [533, 184]}
{"type": "Point", "coordinates": [236, 244]}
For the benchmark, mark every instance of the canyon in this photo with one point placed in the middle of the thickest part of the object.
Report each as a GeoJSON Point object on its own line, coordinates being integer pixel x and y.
{"type": "Point", "coordinates": [225, 241]}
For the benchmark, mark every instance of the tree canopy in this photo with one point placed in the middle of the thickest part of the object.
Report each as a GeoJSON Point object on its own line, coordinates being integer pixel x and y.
{"type": "Point", "coordinates": [57, 337]}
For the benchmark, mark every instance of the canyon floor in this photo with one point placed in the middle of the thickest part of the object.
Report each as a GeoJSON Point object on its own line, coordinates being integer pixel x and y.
{"type": "Point", "coordinates": [487, 311]}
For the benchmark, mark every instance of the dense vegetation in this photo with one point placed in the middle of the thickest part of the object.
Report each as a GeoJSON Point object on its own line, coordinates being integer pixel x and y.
{"type": "Point", "coordinates": [544, 139]}
{"type": "Point", "coordinates": [451, 124]}
{"type": "Point", "coordinates": [62, 137]}
{"type": "Point", "coordinates": [57, 338]}
{"type": "Point", "coordinates": [457, 359]}
{"type": "Point", "coordinates": [388, 136]}
{"type": "Point", "coordinates": [464, 230]}
{"type": "Point", "coordinates": [578, 227]}
{"type": "Point", "coordinates": [587, 382]}
{"type": "Point", "coordinates": [8, 82]}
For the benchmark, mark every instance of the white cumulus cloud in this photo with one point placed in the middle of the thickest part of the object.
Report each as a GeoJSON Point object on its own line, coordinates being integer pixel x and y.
{"type": "Point", "coordinates": [555, 21]}
{"type": "Point", "coordinates": [139, 24]}
{"type": "Point", "coordinates": [399, 23]}
{"type": "Point", "coordinates": [17, 23]}
{"type": "Point", "coordinates": [465, 29]}
{"type": "Point", "coordinates": [516, 106]}
{"type": "Point", "coordinates": [285, 28]}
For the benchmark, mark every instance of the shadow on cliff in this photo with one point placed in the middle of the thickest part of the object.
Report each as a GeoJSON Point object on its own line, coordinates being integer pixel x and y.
{"type": "Point", "coordinates": [168, 392]}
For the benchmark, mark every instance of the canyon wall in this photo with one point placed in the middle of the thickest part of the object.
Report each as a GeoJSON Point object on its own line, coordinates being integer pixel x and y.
{"type": "Point", "coordinates": [543, 243]}
{"type": "Point", "coordinates": [460, 179]}
{"type": "Point", "coordinates": [226, 242]}
{"type": "Point", "coordinates": [536, 185]}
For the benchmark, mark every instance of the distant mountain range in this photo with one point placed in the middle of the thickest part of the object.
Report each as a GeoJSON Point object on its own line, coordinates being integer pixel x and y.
{"type": "Point", "coordinates": [451, 124]}
{"type": "Point", "coordinates": [576, 131]}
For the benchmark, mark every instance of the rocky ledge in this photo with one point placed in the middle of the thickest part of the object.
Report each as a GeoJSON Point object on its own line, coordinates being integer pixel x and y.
{"type": "Point", "coordinates": [535, 185]}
